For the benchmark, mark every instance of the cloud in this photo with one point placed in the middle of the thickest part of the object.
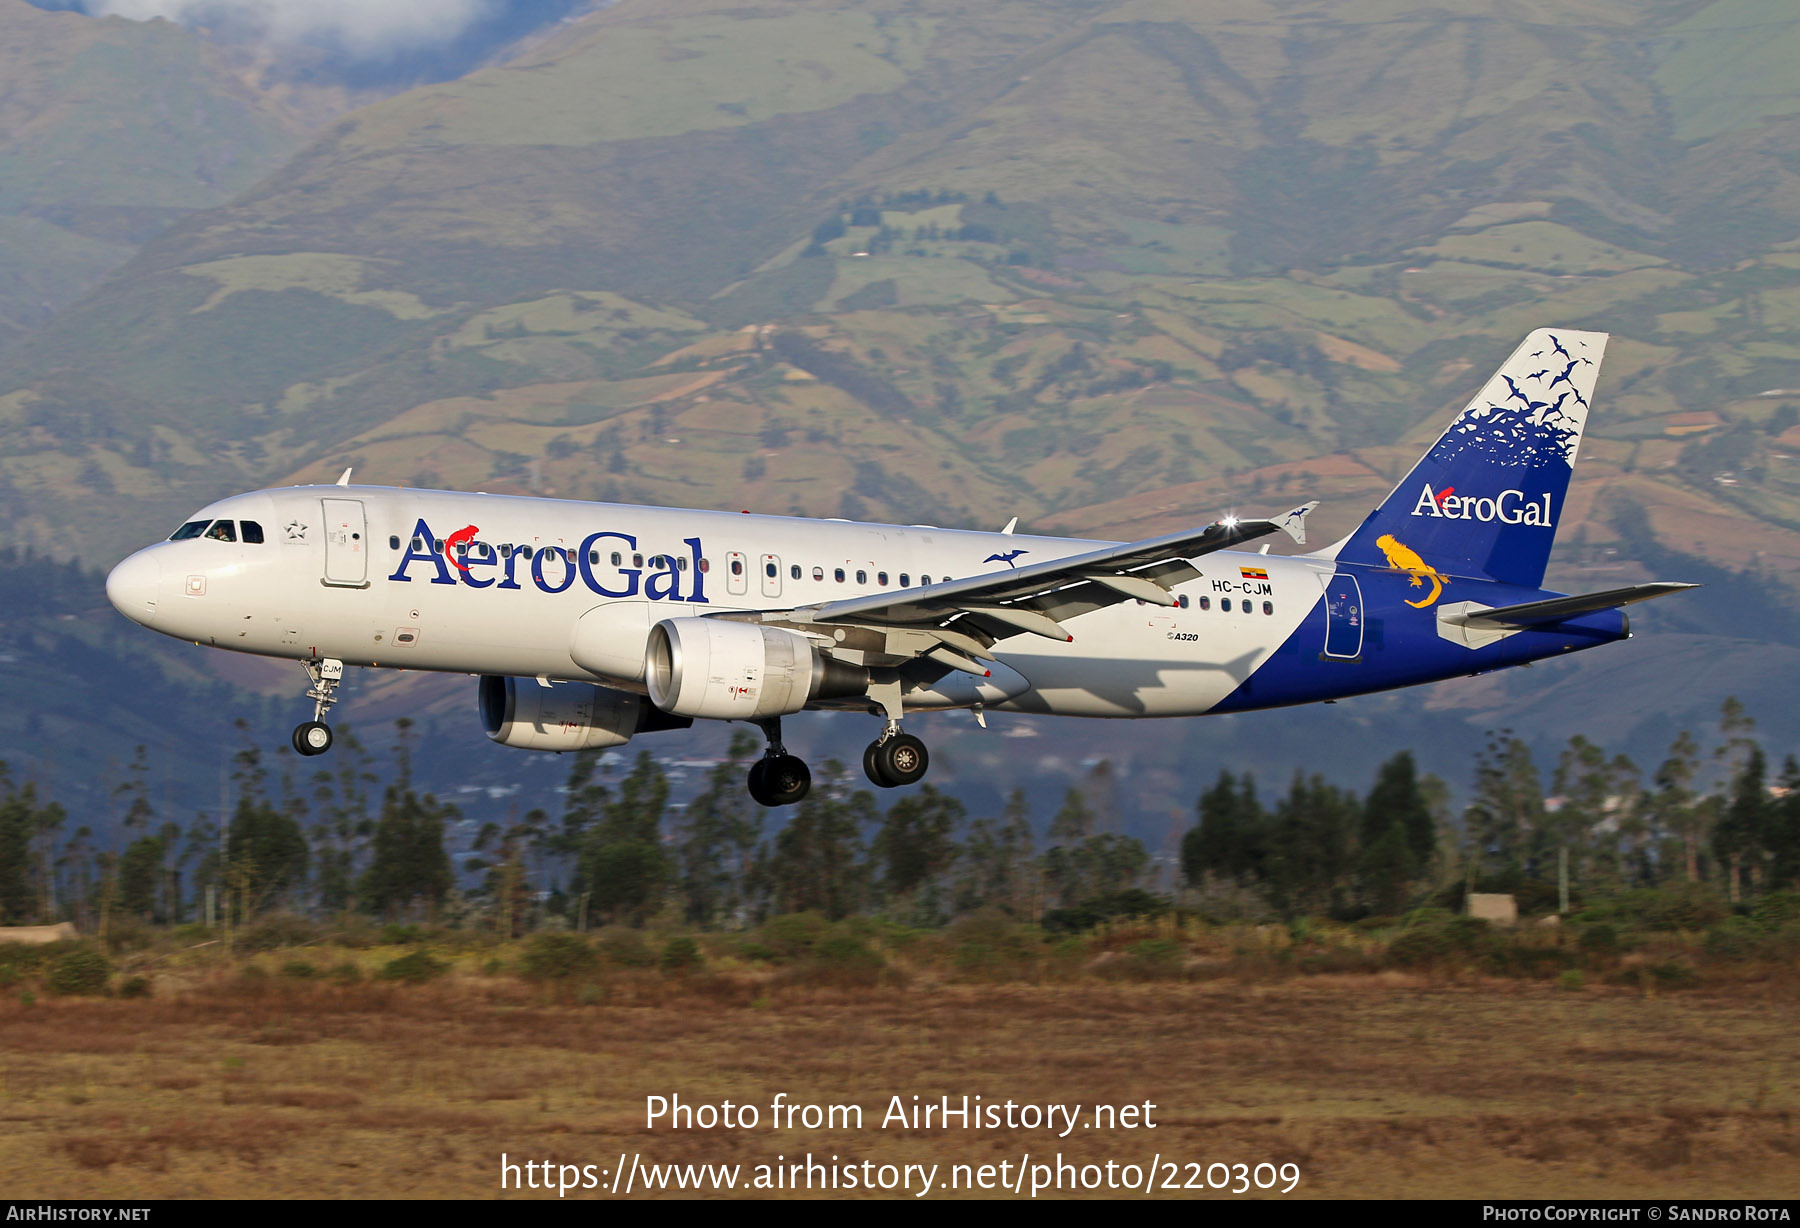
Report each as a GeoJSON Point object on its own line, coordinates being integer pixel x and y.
{"type": "Point", "coordinates": [363, 29]}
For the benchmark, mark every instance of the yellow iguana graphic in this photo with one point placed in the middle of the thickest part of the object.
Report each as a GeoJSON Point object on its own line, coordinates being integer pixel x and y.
{"type": "Point", "coordinates": [1404, 558]}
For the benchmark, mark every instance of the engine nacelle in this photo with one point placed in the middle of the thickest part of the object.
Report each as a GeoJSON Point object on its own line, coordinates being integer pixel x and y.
{"type": "Point", "coordinates": [727, 670]}
{"type": "Point", "coordinates": [567, 716]}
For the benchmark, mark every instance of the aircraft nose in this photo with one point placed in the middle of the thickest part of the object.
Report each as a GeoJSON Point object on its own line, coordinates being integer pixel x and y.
{"type": "Point", "coordinates": [132, 586]}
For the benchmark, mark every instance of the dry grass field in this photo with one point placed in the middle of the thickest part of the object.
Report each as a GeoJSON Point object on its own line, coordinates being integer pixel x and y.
{"type": "Point", "coordinates": [1375, 1085]}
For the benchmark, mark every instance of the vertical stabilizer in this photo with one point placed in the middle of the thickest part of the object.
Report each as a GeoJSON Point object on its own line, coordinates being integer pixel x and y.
{"type": "Point", "coordinates": [1485, 501]}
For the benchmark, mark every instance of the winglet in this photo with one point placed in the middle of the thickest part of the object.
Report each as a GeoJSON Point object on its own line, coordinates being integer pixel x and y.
{"type": "Point", "coordinates": [344, 478]}
{"type": "Point", "coordinates": [1010, 526]}
{"type": "Point", "coordinates": [1294, 523]}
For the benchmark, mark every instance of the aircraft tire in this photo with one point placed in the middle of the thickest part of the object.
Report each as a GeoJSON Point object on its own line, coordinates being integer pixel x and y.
{"type": "Point", "coordinates": [786, 779]}
{"type": "Point", "coordinates": [902, 760]}
{"type": "Point", "coordinates": [872, 766]}
{"type": "Point", "coordinates": [758, 783]}
{"type": "Point", "coordinates": [312, 738]}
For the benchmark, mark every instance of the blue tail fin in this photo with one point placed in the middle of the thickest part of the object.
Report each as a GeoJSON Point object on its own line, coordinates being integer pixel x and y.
{"type": "Point", "coordinates": [1486, 499]}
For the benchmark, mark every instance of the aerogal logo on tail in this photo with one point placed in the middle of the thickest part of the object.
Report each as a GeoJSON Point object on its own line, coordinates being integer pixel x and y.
{"type": "Point", "coordinates": [1508, 507]}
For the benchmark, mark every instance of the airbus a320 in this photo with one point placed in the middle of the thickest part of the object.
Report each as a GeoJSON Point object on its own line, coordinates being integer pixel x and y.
{"type": "Point", "coordinates": [588, 623]}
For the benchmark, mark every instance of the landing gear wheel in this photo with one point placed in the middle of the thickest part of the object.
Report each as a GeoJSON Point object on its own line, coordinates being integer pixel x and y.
{"type": "Point", "coordinates": [900, 760]}
{"type": "Point", "coordinates": [872, 766]}
{"type": "Point", "coordinates": [780, 781]}
{"type": "Point", "coordinates": [312, 738]}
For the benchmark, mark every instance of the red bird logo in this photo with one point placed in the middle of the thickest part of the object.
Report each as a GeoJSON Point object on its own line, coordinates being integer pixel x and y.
{"type": "Point", "coordinates": [462, 537]}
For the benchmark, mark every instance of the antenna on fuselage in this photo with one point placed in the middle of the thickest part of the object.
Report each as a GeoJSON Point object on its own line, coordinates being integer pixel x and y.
{"type": "Point", "coordinates": [344, 478]}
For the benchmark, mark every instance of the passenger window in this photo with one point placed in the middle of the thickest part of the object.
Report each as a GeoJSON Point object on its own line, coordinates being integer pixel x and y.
{"type": "Point", "coordinates": [593, 558]}
{"type": "Point", "coordinates": [840, 575]}
{"type": "Point", "coordinates": [772, 571]}
{"type": "Point", "coordinates": [1268, 607]}
{"type": "Point", "coordinates": [1225, 604]}
{"type": "Point", "coordinates": [794, 571]}
{"type": "Point", "coordinates": [737, 567]}
{"type": "Point", "coordinates": [681, 563]}
{"type": "Point", "coordinates": [1206, 603]}
{"type": "Point", "coordinates": [905, 580]}
{"type": "Point", "coordinates": [881, 578]}
{"type": "Point", "coordinates": [924, 580]}
{"type": "Point", "coordinates": [222, 531]}
{"type": "Point", "coordinates": [525, 552]}
{"type": "Point", "coordinates": [417, 544]}
{"type": "Point", "coordinates": [617, 558]}
{"type": "Point", "coordinates": [253, 534]}
{"type": "Point", "coordinates": [705, 566]}
{"type": "Point", "coordinates": [637, 560]}
{"type": "Point", "coordinates": [862, 577]}
{"type": "Point", "coordinates": [818, 573]}
{"type": "Point", "coordinates": [394, 542]}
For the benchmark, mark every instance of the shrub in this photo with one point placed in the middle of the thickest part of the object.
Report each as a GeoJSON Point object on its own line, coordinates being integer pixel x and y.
{"type": "Point", "coordinates": [1154, 959]}
{"type": "Point", "coordinates": [1571, 980]}
{"type": "Point", "coordinates": [680, 954]}
{"type": "Point", "coordinates": [627, 949]}
{"type": "Point", "coordinates": [1777, 909]}
{"type": "Point", "coordinates": [299, 970]}
{"type": "Point", "coordinates": [792, 935]}
{"type": "Point", "coordinates": [415, 967]}
{"type": "Point", "coordinates": [758, 951]}
{"type": "Point", "coordinates": [402, 935]}
{"type": "Point", "coordinates": [275, 932]}
{"type": "Point", "coordinates": [79, 972]}
{"type": "Point", "coordinates": [135, 987]}
{"type": "Point", "coordinates": [1601, 939]}
{"type": "Point", "coordinates": [346, 974]}
{"type": "Point", "coordinates": [556, 957]}
{"type": "Point", "coordinates": [843, 959]}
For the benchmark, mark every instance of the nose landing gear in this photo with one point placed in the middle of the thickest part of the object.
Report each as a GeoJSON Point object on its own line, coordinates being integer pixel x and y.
{"type": "Point", "coordinates": [314, 737]}
{"type": "Point", "coordinates": [778, 778]}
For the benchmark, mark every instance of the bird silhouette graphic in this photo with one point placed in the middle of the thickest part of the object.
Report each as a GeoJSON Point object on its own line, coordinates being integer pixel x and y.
{"type": "Point", "coordinates": [1006, 558]}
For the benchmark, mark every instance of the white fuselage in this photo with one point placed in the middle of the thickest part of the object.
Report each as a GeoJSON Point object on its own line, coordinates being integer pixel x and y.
{"type": "Point", "coordinates": [348, 572]}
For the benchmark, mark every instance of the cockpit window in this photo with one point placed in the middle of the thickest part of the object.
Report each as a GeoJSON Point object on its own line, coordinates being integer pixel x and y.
{"type": "Point", "coordinates": [192, 528]}
{"type": "Point", "coordinates": [223, 531]}
{"type": "Point", "coordinates": [253, 534]}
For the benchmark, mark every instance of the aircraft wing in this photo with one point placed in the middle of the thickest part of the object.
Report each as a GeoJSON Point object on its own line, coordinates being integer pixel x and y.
{"type": "Point", "coordinates": [959, 619]}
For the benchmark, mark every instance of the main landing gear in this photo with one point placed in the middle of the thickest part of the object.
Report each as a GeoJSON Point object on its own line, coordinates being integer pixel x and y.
{"type": "Point", "coordinates": [314, 737]}
{"type": "Point", "coordinates": [778, 778]}
{"type": "Point", "coordinates": [895, 758]}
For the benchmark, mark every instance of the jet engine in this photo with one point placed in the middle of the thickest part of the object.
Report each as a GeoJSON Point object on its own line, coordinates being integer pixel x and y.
{"type": "Point", "coordinates": [567, 716]}
{"type": "Point", "coordinates": [729, 670]}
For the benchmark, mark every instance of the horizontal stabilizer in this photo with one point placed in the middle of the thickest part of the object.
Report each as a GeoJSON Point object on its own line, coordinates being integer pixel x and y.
{"type": "Point", "coordinates": [1557, 609]}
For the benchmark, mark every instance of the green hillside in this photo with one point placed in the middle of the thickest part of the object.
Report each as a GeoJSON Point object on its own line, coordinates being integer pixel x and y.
{"type": "Point", "coordinates": [110, 130]}
{"type": "Point", "coordinates": [1109, 265]}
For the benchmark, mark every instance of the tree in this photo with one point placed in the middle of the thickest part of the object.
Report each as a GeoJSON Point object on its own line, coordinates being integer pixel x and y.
{"type": "Point", "coordinates": [718, 837]}
{"type": "Point", "coordinates": [341, 795]}
{"type": "Point", "coordinates": [1674, 804]}
{"type": "Point", "coordinates": [266, 853]}
{"type": "Point", "coordinates": [1741, 837]}
{"type": "Point", "coordinates": [1226, 841]}
{"type": "Point", "coordinates": [22, 820]}
{"type": "Point", "coordinates": [410, 869]}
{"type": "Point", "coordinates": [996, 862]}
{"type": "Point", "coordinates": [817, 863]}
{"type": "Point", "coordinates": [623, 865]}
{"type": "Point", "coordinates": [915, 847]}
{"type": "Point", "coordinates": [1505, 820]}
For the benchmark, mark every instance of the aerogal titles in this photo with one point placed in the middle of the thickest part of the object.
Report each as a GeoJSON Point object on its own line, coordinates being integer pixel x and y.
{"type": "Point", "coordinates": [552, 569]}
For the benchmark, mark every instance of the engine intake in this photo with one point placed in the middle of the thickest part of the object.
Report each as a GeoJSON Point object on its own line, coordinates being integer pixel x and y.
{"type": "Point", "coordinates": [567, 716]}
{"type": "Point", "coordinates": [725, 670]}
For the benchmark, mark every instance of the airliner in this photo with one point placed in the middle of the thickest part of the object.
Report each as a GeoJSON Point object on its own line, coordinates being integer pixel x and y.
{"type": "Point", "coordinates": [588, 624]}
